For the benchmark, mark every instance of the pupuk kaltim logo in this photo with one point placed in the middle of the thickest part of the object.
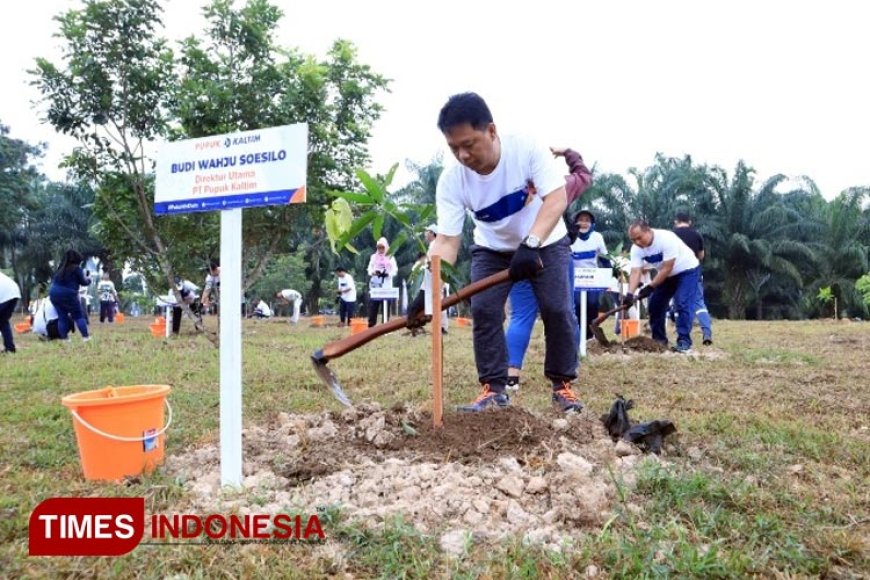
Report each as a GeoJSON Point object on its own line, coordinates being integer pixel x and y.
{"type": "Point", "coordinates": [115, 526]}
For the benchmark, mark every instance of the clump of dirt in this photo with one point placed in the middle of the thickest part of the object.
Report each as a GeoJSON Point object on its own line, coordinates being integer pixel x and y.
{"type": "Point", "coordinates": [490, 474]}
{"type": "Point", "coordinates": [467, 437]}
{"type": "Point", "coordinates": [636, 344]}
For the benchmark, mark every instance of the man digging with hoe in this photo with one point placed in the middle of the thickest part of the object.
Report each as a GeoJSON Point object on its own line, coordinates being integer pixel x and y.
{"type": "Point", "coordinates": [513, 229]}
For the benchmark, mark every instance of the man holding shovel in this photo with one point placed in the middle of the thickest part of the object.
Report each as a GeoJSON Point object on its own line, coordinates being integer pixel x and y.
{"type": "Point", "coordinates": [677, 274]}
{"type": "Point", "coordinates": [514, 230]}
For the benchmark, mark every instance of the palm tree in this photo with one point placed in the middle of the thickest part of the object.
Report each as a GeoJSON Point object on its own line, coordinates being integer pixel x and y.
{"type": "Point", "coordinates": [843, 255]}
{"type": "Point", "coordinates": [752, 240]}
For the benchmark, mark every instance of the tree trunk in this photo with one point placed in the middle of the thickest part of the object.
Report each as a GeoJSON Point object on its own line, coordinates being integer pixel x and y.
{"type": "Point", "coordinates": [735, 294]}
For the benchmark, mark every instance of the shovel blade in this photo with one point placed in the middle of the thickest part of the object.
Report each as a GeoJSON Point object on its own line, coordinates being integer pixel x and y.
{"type": "Point", "coordinates": [599, 335]}
{"type": "Point", "coordinates": [328, 377]}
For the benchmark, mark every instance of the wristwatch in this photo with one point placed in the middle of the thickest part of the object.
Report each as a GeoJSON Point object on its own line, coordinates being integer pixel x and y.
{"type": "Point", "coordinates": [532, 241]}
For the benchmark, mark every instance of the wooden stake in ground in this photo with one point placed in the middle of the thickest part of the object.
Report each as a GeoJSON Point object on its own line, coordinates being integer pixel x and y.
{"type": "Point", "coordinates": [437, 359]}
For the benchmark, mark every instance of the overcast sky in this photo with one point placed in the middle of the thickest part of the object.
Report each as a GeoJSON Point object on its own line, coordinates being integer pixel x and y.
{"type": "Point", "coordinates": [782, 85]}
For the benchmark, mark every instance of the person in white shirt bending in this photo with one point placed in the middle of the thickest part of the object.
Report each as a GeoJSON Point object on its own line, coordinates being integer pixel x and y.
{"type": "Point", "coordinates": [677, 272]}
{"type": "Point", "coordinates": [291, 297]}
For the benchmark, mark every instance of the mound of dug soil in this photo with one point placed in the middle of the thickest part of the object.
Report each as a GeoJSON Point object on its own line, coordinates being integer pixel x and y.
{"type": "Point", "coordinates": [490, 474]}
{"type": "Point", "coordinates": [638, 344]}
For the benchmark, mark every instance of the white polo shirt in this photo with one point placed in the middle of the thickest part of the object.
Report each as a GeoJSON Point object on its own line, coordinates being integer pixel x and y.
{"type": "Point", "coordinates": [666, 245]}
{"type": "Point", "coordinates": [500, 203]}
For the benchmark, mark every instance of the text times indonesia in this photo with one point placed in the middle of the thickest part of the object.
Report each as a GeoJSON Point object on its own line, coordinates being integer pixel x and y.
{"type": "Point", "coordinates": [115, 526]}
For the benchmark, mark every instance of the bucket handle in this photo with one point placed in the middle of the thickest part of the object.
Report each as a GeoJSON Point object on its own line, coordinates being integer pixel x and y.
{"type": "Point", "coordinates": [126, 439]}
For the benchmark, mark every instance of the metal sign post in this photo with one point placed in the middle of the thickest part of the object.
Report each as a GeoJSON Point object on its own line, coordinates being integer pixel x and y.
{"type": "Point", "coordinates": [437, 355]}
{"type": "Point", "coordinates": [586, 279]}
{"type": "Point", "coordinates": [230, 172]}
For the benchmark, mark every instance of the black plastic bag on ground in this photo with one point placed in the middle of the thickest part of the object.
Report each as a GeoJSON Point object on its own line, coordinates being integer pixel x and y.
{"type": "Point", "coordinates": [616, 421]}
{"type": "Point", "coordinates": [649, 436]}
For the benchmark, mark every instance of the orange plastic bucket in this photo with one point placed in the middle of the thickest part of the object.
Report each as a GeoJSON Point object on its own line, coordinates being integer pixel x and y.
{"type": "Point", "coordinates": [158, 330]}
{"type": "Point", "coordinates": [463, 321]}
{"type": "Point", "coordinates": [630, 328]}
{"type": "Point", "coordinates": [120, 431]}
{"type": "Point", "coordinates": [358, 325]}
{"type": "Point", "coordinates": [119, 318]}
{"type": "Point", "coordinates": [22, 327]}
{"type": "Point", "coordinates": [317, 320]}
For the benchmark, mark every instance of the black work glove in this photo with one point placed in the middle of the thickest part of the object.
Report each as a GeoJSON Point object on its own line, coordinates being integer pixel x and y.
{"type": "Point", "coordinates": [416, 306]}
{"type": "Point", "coordinates": [526, 263]}
{"type": "Point", "coordinates": [627, 300]}
{"type": "Point", "coordinates": [645, 292]}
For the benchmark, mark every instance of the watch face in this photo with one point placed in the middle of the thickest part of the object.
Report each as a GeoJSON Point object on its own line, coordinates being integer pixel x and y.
{"type": "Point", "coordinates": [533, 242]}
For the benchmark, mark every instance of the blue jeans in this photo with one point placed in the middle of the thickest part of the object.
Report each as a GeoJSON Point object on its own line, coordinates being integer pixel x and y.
{"type": "Point", "coordinates": [345, 310]}
{"type": "Point", "coordinates": [68, 306]}
{"type": "Point", "coordinates": [683, 288]}
{"type": "Point", "coordinates": [524, 312]}
{"type": "Point", "coordinates": [551, 290]}
{"type": "Point", "coordinates": [700, 311]}
{"type": "Point", "coordinates": [6, 311]}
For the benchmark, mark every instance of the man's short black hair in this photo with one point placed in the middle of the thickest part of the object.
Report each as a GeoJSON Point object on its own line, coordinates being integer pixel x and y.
{"type": "Point", "coordinates": [340, 269]}
{"type": "Point", "coordinates": [464, 108]}
{"type": "Point", "coordinates": [683, 217]}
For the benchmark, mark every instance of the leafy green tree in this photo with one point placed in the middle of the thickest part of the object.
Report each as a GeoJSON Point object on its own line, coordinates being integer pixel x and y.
{"type": "Point", "coordinates": [863, 286]}
{"type": "Point", "coordinates": [842, 256]}
{"type": "Point", "coordinates": [237, 79]}
{"type": "Point", "coordinates": [19, 184]}
{"type": "Point", "coordinates": [111, 93]}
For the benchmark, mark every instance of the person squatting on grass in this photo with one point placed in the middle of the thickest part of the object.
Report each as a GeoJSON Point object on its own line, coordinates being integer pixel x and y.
{"type": "Point", "coordinates": [346, 296]}
{"type": "Point", "coordinates": [293, 297]}
{"type": "Point", "coordinates": [513, 229]}
{"type": "Point", "coordinates": [10, 294]}
{"type": "Point", "coordinates": [108, 298]}
{"type": "Point", "coordinates": [382, 268]}
{"type": "Point", "coordinates": [677, 276]}
{"type": "Point", "coordinates": [45, 320]}
{"type": "Point", "coordinates": [64, 294]}
{"type": "Point", "coordinates": [524, 307]}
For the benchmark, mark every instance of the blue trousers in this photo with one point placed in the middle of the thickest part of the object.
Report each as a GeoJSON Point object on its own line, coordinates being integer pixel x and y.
{"type": "Point", "coordinates": [701, 313]}
{"type": "Point", "coordinates": [346, 310]}
{"type": "Point", "coordinates": [683, 288]}
{"type": "Point", "coordinates": [524, 312]}
{"type": "Point", "coordinates": [68, 307]}
{"type": "Point", "coordinates": [6, 311]}
{"type": "Point", "coordinates": [549, 292]}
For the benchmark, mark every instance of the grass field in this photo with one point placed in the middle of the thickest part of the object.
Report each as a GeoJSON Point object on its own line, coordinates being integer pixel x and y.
{"type": "Point", "coordinates": [768, 475]}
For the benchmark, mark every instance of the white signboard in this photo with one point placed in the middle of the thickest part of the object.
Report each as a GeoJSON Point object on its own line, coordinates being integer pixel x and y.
{"type": "Point", "coordinates": [233, 171]}
{"type": "Point", "coordinates": [383, 293]}
{"type": "Point", "coordinates": [592, 278]}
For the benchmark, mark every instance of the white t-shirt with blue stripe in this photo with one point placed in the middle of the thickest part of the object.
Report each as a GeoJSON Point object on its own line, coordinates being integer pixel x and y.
{"type": "Point", "coordinates": [586, 252]}
{"type": "Point", "coordinates": [502, 210]}
{"type": "Point", "coordinates": [666, 245]}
